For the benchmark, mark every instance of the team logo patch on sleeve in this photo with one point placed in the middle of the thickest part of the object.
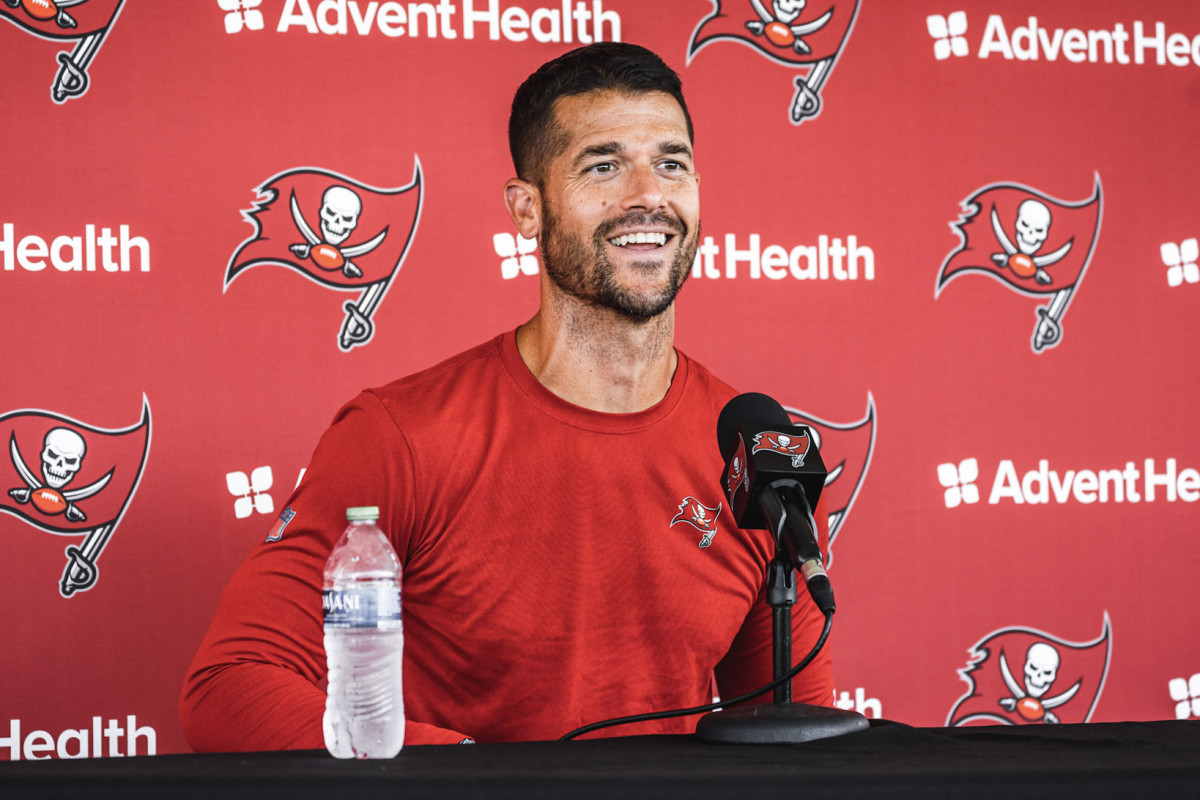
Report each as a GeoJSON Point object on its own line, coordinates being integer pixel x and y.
{"type": "Point", "coordinates": [276, 532]}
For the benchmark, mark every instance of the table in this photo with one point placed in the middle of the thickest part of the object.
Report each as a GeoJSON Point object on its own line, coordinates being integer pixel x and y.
{"type": "Point", "coordinates": [889, 760]}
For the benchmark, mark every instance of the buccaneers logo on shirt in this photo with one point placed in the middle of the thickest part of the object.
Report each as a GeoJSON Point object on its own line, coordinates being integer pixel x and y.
{"type": "Point", "coordinates": [792, 33]}
{"type": "Point", "coordinates": [701, 517]}
{"type": "Point", "coordinates": [1022, 676]}
{"type": "Point", "coordinates": [1029, 241]}
{"type": "Point", "coordinates": [71, 479]}
{"type": "Point", "coordinates": [85, 22]}
{"type": "Point", "coordinates": [337, 232]}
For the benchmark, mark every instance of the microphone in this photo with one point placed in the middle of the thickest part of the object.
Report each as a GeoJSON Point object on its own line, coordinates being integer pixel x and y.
{"type": "Point", "coordinates": [773, 478]}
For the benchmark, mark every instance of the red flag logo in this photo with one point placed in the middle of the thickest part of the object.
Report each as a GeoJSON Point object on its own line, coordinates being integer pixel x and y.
{"type": "Point", "coordinates": [1031, 242]}
{"type": "Point", "coordinates": [793, 33]}
{"type": "Point", "coordinates": [846, 449]}
{"type": "Point", "coordinates": [1022, 676]}
{"type": "Point", "coordinates": [86, 22]}
{"type": "Point", "coordinates": [338, 232]}
{"type": "Point", "coordinates": [701, 517]}
{"type": "Point", "coordinates": [68, 478]}
{"type": "Point", "coordinates": [794, 446]}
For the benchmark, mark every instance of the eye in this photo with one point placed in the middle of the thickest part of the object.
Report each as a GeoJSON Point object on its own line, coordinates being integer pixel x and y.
{"type": "Point", "coordinates": [602, 168]}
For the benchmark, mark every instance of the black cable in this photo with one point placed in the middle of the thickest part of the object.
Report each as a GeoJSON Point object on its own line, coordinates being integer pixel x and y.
{"type": "Point", "coordinates": [683, 712]}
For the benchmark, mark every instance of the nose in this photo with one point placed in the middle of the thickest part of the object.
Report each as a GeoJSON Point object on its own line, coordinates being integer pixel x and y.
{"type": "Point", "coordinates": [643, 189]}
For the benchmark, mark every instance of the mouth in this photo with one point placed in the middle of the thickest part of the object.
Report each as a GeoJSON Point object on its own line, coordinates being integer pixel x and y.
{"type": "Point", "coordinates": [641, 240]}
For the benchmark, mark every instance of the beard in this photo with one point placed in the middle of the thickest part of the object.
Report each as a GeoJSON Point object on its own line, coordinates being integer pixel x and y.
{"type": "Point", "coordinates": [583, 271]}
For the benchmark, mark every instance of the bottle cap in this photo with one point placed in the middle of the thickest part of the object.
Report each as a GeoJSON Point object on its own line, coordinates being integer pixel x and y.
{"type": "Point", "coordinates": [362, 513]}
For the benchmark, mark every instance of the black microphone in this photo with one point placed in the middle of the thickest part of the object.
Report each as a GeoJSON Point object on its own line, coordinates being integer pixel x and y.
{"type": "Point", "coordinates": [773, 478]}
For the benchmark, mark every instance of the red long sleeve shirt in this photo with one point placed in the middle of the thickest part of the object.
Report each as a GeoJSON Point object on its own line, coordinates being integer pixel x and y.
{"type": "Point", "coordinates": [560, 566]}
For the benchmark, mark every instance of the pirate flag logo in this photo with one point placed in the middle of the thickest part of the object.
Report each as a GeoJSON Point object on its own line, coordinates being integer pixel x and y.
{"type": "Point", "coordinates": [793, 33]}
{"type": "Point", "coordinates": [1022, 676]}
{"type": "Point", "coordinates": [796, 447]}
{"type": "Point", "coordinates": [846, 449]}
{"type": "Point", "coordinates": [699, 516]}
{"type": "Point", "coordinates": [337, 232]}
{"type": "Point", "coordinates": [85, 22]}
{"type": "Point", "coordinates": [1032, 243]}
{"type": "Point", "coordinates": [72, 479]}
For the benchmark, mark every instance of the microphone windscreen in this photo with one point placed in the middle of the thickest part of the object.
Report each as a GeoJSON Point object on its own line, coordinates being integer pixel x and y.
{"type": "Point", "coordinates": [749, 407]}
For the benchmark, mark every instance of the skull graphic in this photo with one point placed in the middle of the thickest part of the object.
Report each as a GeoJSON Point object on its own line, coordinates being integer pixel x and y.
{"type": "Point", "coordinates": [1041, 667]}
{"type": "Point", "coordinates": [1033, 225]}
{"type": "Point", "coordinates": [62, 456]}
{"type": "Point", "coordinates": [788, 10]}
{"type": "Point", "coordinates": [340, 208]}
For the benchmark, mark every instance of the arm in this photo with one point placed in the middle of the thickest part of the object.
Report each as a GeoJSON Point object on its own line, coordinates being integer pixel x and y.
{"type": "Point", "coordinates": [257, 681]}
{"type": "Point", "coordinates": [747, 665]}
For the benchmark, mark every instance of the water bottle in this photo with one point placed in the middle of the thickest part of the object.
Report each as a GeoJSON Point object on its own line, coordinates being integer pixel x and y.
{"type": "Point", "coordinates": [364, 707]}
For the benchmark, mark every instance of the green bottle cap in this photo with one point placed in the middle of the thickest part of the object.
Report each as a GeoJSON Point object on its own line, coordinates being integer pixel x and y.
{"type": "Point", "coordinates": [362, 513]}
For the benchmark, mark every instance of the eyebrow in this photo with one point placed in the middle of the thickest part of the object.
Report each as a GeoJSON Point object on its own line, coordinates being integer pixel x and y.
{"type": "Point", "coordinates": [616, 148]}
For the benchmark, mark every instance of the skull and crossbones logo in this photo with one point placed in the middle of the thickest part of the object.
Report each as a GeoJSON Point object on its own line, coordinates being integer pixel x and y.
{"type": "Point", "coordinates": [1031, 229]}
{"type": "Point", "coordinates": [62, 457]}
{"type": "Point", "coordinates": [1041, 669]}
{"type": "Point", "coordinates": [777, 27]}
{"type": "Point", "coordinates": [340, 210]}
{"type": "Point", "coordinates": [49, 9]}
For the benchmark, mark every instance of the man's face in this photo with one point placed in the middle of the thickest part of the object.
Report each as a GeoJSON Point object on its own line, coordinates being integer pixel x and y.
{"type": "Point", "coordinates": [620, 204]}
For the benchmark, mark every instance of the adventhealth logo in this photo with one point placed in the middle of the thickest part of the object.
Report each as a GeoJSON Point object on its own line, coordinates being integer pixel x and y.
{"type": "Point", "coordinates": [1028, 40]}
{"type": "Point", "coordinates": [1151, 483]}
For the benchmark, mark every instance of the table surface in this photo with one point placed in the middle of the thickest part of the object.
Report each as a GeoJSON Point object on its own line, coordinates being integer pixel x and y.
{"type": "Point", "coordinates": [1102, 760]}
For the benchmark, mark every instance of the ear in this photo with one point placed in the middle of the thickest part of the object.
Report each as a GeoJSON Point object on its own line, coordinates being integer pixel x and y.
{"type": "Point", "coordinates": [524, 204]}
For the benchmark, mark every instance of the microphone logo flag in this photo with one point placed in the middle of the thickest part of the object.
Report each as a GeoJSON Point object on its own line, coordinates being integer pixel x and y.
{"type": "Point", "coordinates": [68, 478]}
{"type": "Point", "coordinates": [338, 232]}
{"type": "Point", "coordinates": [1032, 243]}
{"type": "Point", "coordinates": [1022, 676]}
{"type": "Point", "coordinates": [791, 33]}
{"type": "Point", "coordinates": [792, 445]}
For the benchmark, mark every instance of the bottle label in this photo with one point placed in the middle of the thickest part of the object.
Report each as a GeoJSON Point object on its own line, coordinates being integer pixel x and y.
{"type": "Point", "coordinates": [362, 607]}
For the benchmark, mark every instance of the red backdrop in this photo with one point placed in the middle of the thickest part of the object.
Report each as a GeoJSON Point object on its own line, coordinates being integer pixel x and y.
{"type": "Point", "coordinates": [957, 238]}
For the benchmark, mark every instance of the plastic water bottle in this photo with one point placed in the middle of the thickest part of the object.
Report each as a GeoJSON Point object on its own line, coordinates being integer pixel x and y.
{"type": "Point", "coordinates": [364, 708]}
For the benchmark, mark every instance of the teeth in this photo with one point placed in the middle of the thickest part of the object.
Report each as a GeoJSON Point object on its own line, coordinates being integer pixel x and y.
{"type": "Point", "coordinates": [659, 239]}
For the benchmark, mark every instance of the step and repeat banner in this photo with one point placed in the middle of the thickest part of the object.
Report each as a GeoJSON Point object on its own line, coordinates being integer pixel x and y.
{"type": "Point", "coordinates": [957, 237]}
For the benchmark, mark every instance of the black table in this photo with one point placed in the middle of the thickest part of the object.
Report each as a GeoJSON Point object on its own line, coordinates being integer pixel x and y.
{"type": "Point", "coordinates": [1128, 759]}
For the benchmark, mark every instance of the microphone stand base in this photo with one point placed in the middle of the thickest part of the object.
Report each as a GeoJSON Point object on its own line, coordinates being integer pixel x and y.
{"type": "Point", "coordinates": [778, 723]}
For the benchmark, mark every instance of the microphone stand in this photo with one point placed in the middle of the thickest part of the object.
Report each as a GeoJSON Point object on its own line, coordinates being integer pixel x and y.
{"type": "Point", "coordinates": [781, 722]}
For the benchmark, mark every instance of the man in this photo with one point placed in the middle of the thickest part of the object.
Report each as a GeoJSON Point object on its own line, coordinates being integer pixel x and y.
{"type": "Point", "coordinates": [543, 490]}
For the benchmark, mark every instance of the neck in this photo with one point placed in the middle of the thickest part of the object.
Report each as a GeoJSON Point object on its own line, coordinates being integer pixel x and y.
{"type": "Point", "coordinates": [598, 359]}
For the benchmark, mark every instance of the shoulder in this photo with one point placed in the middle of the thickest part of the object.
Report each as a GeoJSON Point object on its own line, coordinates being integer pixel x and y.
{"type": "Point", "coordinates": [703, 387]}
{"type": "Point", "coordinates": [445, 389]}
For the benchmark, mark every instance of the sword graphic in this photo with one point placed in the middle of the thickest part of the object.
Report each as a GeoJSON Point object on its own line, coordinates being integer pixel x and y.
{"type": "Point", "coordinates": [81, 572]}
{"type": "Point", "coordinates": [807, 101]}
{"type": "Point", "coordinates": [358, 328]}
{"type": "Point", "coordinates": [1048, 330]}
{"type": "Point", "coordinates": [72, 79]}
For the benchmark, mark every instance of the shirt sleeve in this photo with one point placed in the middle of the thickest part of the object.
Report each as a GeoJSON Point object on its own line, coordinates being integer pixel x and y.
{"type": "Point", "coordinates": [749, 663]}
{"type": "Point", "coordinates": [258, 679]}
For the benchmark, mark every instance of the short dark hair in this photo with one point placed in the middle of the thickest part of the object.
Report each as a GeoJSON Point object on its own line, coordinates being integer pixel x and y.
{"type": "Point", "coordinates": [533, 134]}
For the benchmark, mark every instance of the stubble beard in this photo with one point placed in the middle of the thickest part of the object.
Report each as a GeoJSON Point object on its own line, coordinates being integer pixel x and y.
{"type": "Point", "coordinates": [586, 274]}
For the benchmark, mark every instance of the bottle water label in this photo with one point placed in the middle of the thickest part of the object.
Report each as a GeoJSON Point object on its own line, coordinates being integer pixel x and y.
{"type": "Point", "coordinates": [362, 607]}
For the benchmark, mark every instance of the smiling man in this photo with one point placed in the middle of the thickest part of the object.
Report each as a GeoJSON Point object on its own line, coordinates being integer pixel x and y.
{"type": "Point", "coordinates": [553, 494]}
